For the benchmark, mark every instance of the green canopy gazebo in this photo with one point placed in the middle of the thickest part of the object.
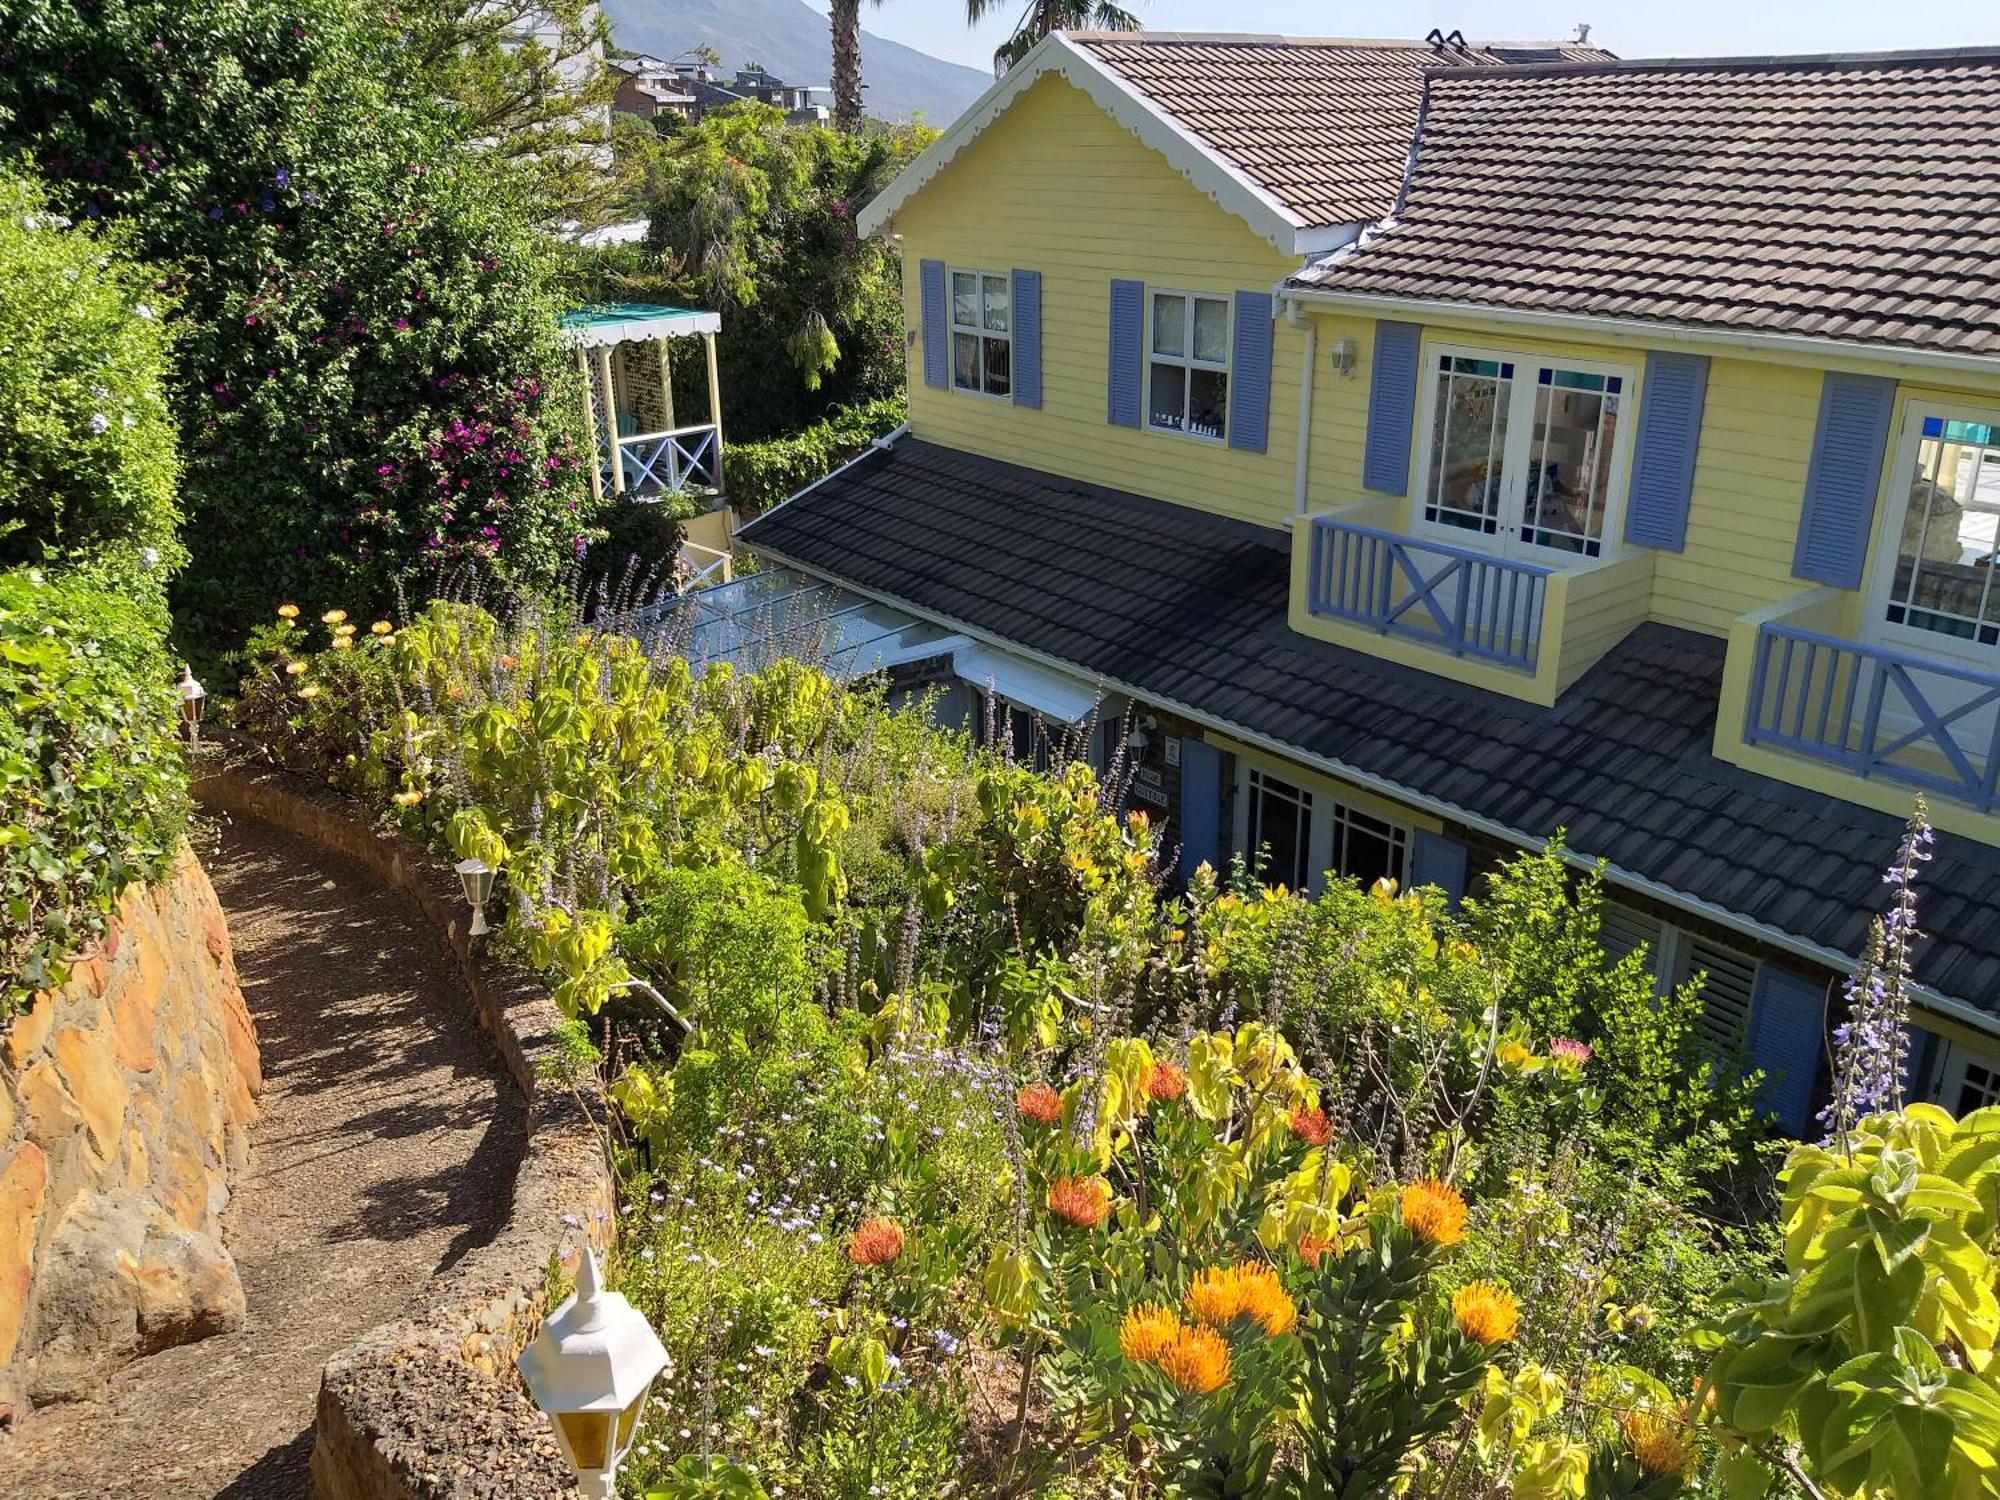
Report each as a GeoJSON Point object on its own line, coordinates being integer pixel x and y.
{"type": "Point", "coordinates": [625, 351]}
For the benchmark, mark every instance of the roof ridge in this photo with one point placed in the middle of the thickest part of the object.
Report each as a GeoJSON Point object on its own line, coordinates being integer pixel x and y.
{"type": "Point", "coordinates": [1278, 39]}
{"type": "Point", "coordinates": [1786, 62]}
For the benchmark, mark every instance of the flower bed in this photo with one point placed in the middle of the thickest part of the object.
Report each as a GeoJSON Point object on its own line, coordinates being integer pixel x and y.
{"type": "Point", "coordinates": [989, 1164]}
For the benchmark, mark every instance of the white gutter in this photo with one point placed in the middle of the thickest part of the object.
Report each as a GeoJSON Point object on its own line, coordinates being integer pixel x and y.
{"type": "Point", "coordinates": [1586, 326]}
{"type": "Point", "coordinates": [1302, 462]}
{"type": "Point", "coordinates": [1774, 937]}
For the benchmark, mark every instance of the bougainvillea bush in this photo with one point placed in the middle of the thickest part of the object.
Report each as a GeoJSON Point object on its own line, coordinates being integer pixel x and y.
{"type": "Point", "coordinates": [370, 383]}
{"type": "Point", "coordinates": [978, 1160]}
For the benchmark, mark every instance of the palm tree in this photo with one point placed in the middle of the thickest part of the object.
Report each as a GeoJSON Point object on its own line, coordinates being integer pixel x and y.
{"type": "Point", "coordinates": [846, 18]}
{"type": "Point", "coordinates": [1043, 16]}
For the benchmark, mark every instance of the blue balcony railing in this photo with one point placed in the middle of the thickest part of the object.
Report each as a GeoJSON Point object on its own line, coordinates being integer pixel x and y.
{"type": "Point", "coordinates": [687, 457]}
{"type": "Point", "coordinates": [1465, 602]}
{"type": "Point", "coordinates": [1877, 712]}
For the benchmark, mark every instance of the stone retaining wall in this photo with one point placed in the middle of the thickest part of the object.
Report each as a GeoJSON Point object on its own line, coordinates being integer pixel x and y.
{"type": "Point", "coordinates": [430, 1407]}
{"type": "Point", "coordinates": [124, 1101]}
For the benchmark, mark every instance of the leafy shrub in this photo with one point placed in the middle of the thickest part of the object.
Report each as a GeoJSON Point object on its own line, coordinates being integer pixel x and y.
{"type": "Point", "coordinates": [89, 450]}
{"type": "Point", "coordinates": [371, 384]}
{"type": "Point", "coordinates": [93, 786]}
{"type": "Point", "coordinates": [756, 476]}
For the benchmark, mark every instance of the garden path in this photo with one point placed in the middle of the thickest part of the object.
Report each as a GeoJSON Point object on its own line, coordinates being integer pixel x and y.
{"type": "Point", "coordinates": [386, 1150]}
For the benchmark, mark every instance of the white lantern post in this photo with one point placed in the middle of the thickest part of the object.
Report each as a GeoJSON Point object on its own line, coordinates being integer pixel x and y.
{"type": "Point", "coordinates": [590, 1369]}
{"type": "Point", "coordinates": [475, 878]}
{"type": "Point", "coordinates": [194, 698]}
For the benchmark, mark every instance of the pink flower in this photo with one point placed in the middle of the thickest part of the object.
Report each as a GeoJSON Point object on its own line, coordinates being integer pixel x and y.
{"type": "Point", "coordinates": [1568, 1052]}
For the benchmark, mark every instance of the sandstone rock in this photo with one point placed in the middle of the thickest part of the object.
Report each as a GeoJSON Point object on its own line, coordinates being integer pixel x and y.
{"type": "Point", "coordinates": [182, 1182]}
{"type": "Point", "coordinates": [7, 1110]}
{"type": "Point", "coordinates": [52, 1113]}
{"type": "Point", "coordinates": [89, 1066]}
{"type": "Point", "coordinates": [138, 1165]}
{"type": "Point", "coordinates": [31, 1029]}
{"type": "Point", "coordinates": [193, 1105]}
{"type": "Point", "coordinates": [121, 1279]}
{"type": "Point", "coordinates": [24, 1182]}
{"type": "Point", "coordinates": [135, 1010]}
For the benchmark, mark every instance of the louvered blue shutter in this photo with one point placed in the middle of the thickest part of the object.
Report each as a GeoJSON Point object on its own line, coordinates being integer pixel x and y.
{"type": "Point", "coordinates": [1787, 1027]}
{"type": "Point", "coordinates": [1916, 1063]}
{"type": "Point", "coordinates": [1201, 806]}
{"type": "Point", "coordinates": [1439, 861]}
{"type": "Point", "coordinates": [1128, 327]}
{"type": "Point", "coordinates": [937, 327]}
{"type": "Point", "coordinates": [1656, 514]}
{"type": "Point", "coordinates": [1250, 373]}
{"type": "Point", "coordinates": [1392, 408]}
{"type": "Point", "coordinates": [1842, 478]}
{"type": "Point", "coordinates": [1028, 338]}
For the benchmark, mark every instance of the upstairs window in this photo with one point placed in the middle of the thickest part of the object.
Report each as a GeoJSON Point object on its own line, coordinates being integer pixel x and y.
{"type": "Point", "coordinates": [1187, 371]}
{"type": "Point", "coordinates": [982, 336]}
{"type": "Point", "coordinates": [1522, 452]}
{"type": "Point", "coordinates": [1942, 580]}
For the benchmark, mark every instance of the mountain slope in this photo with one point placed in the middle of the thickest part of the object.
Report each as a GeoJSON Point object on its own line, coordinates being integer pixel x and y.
{"type": "Point", "coordinates": [790, 38]}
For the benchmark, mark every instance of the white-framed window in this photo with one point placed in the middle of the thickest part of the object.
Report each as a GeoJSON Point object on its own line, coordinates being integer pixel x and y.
{"type": "Point", "coordinates": [1368, 849]}
{"type": "Point", "coordinates": [1933, 586]}
{"type": "Point", "coordinates": [1967, 1080]}
{"type": "Point", "coordinates": [1521, 454]}
{"type": "Point", "coordinates": [1279, 845]}
{"type": "Point", "coordinates": [982, 332]}
{"type": "Point", "coordinates": [1187, 364]}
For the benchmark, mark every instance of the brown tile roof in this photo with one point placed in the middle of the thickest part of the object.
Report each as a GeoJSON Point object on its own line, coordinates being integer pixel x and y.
{"type": "Point", "coordinates": [1840, 198]}
{"type": "Point", "coordinates": [1323, 126]}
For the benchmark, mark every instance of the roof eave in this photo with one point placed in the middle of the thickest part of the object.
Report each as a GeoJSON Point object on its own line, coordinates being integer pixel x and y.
{"type": "Point", "coordinates": [1749, 339]}
{"type": "Point", "coordinates": [1210, 173]}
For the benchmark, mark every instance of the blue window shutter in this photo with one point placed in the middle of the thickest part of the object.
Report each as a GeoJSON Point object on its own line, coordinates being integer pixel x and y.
{"type": "Point", "coordinates": [1128, 328]}
{"type": "Point", "coordinates": [1916, 1063]}
{"type": "Point", "coordinates": [1656, 514]}
{"type": "Point", "coordinates": [1028, 338]}
{"type": "Point", "coordinates": [1439, 861]}
{"type": "Point", "coordinates": [937, 326]}
{"type": "Point", "coordinates": [1392, 408]}
{"type": "Point", "coordinates": [1250, 373]}
{"type": "Point", "coordinates": [1842, 478]}
{"type": "Point", "coordinates": [1201, 806]}
{"type": "Point", "coordinates": [1787, 1031]}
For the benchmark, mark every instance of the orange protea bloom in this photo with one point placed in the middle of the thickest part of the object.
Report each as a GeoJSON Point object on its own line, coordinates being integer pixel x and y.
{"type": "Point", "coordinates": [1313, 1249]}
{"type": "Point", "coordinates": [1197, 1361]}
{"type": "Point", "coordinates": [1659, 1442]}
{"type": "Point", "coordinates": [1166, 1082]}
{"type": "Point", "coordinates": [1147, 1332]}
{"type": "Point", "coordinates": [1487, 1314]}
{"type": "Point", "coordinates": [1311, 1126]}
{"type": "Point", "coordinates": [1083, 1201]}
{"type": "Point", "coordinates": [1219, 1295]}
{"type": "Point", "coordinates": [1433, 1212]}
{"type": "Point", "coordinates": [1039, 1103]}
{"type": "Point", "coordinates": [876, 1243]}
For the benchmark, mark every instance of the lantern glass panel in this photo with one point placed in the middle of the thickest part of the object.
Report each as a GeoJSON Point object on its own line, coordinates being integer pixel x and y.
{"type": "Point", "coordinates": [589, 1435]}
{"type": "Point", "coordinates": [628, 1420]}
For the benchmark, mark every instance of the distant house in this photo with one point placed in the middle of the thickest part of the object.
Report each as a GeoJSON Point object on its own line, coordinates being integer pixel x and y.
{"type": "Point", "coordinates": [650, 88]}
{"type": "Point", "coordinates": [1467, 443]}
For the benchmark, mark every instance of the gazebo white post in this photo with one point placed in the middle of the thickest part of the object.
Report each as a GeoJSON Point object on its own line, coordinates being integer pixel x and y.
{"type": "Point", "coordinates": [714, 405]}
{"type": "Point", "coordinates": [590, 424]}
{"type": "Point", "coordinates": [666, 345]}
{"type": "Point", "coordinates": [611, 419]}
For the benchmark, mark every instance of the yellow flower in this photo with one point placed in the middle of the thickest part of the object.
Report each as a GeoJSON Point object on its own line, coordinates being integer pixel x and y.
{"type": "Point", "coordinates": [288, 611]}
{"type": "Point", "coordinates": [1215, 1296]}
{"type": "Point", "coordinates": [1197, 1361]}
{"type": "Point", "coordinates": [1487, 1314]}
{"type": "Point", "coordinates": [1433, 1212]}
{"type": "Point", "coordinates": [295, 668]}
{"type": "Point", "coordinates": [407, 799]}
{"type": "Point", "coordinates": [1219, 1295]}
{"type": "Point", "coordinates": [310, 690]}
{"type": "Point", "coordinates": [381, 627]}
{"type": "Point", "coordinates": [1147, 1332]}
{"type": "Point", "coordinates": [343, 631]}
{"type": "Point", "coordinates": [333, 617]}
{"type": "Point", "coordinates": [1659, 1443]}
{"type": "Point", "coordinates": [342, 643]}
{"type": "Point", "coordinates": [1515, 1054]}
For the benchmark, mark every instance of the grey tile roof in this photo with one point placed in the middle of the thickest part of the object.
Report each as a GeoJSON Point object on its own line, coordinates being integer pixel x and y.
{"type": "Point", "coordinates": [1840, 198]}
{"type": "Point", "coordinates": [1190, 609]}
{"type": "Point", "coordinates": [1323, 126]}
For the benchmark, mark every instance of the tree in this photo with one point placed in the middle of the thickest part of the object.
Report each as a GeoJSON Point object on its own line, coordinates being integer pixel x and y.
{"type": "Point", "coordinates": [845, 19]}
{"type": "Point", "coordinates": [1044, 16]}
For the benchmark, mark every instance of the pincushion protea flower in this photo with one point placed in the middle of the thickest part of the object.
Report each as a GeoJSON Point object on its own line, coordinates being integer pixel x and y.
{"type": "Point", "coordinates": [1147, 1332]}
{"type": "Point", "coordinates": [1197, 1361]}
{"type": "Point", "coordinates": [1659, 1442]}
{"type": "Point", "coordinates": [1487, 1314]}
{"type": "Point", "coordinates": [1040, 1103]}
{"type": "Point", "coordinates": [1082, 1201]}
{"type": "Point", "coordinates": [1219, 1295]}
{"type": "Point", "coordinates": [1566, 1049]}
{"type": "Point", "coordinates": [1166, 1082]}
{"type": "Point", "coordinates": [876, 1243]}
{"type": "Point", "coordinates": [1434, 1212]}
{"type": "Point", "coordinates": [1313, 1249]}
{"type": "Point", "coordinates": [1311, 1126]}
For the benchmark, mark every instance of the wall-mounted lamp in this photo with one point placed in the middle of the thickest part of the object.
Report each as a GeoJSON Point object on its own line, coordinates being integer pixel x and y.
{"type": "Point", "coordinates": [1342, 354]}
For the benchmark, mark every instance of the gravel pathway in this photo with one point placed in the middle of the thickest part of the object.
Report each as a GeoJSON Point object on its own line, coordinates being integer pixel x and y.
{"type": "Point", "coordinates": [385, 1151]}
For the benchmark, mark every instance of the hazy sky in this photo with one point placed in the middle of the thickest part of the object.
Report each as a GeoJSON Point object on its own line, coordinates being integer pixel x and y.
{"type": "Point", "coordinates": [1671, 29]}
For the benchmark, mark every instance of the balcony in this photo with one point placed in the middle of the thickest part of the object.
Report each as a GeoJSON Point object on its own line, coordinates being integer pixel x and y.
{"type": "Point", "coordinates": [626, 359]}
{"type": "Point", "coordinates": [1527, 629]}
{"type": "Point", "coordinates": [656, 463]}
{"type": "Point", "coordinates": [1884, 721]}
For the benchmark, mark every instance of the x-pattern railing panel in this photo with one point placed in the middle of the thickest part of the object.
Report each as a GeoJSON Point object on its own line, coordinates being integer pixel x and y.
{"type": "Point", "coordinates": [671, 460]}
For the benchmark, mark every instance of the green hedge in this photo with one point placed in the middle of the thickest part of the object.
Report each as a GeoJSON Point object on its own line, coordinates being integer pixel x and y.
{"type": "Point", "coordinates": [93, 786]}
{"type": "Point", "coordinates": [756, 476]}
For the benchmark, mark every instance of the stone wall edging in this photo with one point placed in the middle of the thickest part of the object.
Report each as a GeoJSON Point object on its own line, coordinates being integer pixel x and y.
{"type": "Point", "coordinates": [428, 1408]}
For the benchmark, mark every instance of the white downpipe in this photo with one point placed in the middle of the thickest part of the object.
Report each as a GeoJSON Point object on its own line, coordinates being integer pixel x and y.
{"type": "Point", "coordinates": [1302, 464]}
